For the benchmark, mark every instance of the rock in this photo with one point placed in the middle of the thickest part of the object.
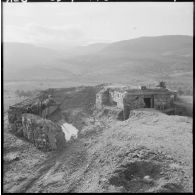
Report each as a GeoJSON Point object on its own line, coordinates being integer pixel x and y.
{"type": "Point", "coordinates": [12, 157]}
{"type": "Point", "coordinates": [53, 178]}
{"type": "Point", "coordinates": [135, 155]}
{"type": "Point", "coordinates": [102, 180]}
{"type": "Point", "coordinates": [147, 179]}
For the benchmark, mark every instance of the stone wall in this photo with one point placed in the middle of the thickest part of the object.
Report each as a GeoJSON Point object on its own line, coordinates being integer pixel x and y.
{"type": "Point", "coordinates": [43, 133]}
{"type": "Point", "coordinates": [102, 98]}
{"type": "Point", "coordinates": [15, 112]}
{"type": "Point", "coordinates": [27, 119]}
{"type": "Point", "coordinates": [137, 101]}
{"type": "Point", "coordinates": [162, 102]}
{"type": "Point", "coordinates": [134, 101]}
{"type": "Point", "coordinates": [98, 101]}
{"type": "Point", "coordinates": [116, 97]}
{"type": "Point", "coordinates": [15, 118]}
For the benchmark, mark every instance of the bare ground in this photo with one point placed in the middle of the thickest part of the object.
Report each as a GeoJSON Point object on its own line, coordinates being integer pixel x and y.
{"type": "Point", "coordinates": [149, 152]}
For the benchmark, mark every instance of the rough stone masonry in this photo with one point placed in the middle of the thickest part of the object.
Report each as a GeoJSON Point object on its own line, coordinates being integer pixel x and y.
{"type": "Point", "coordinates": [159, 98]}
{"type": "Point", "coordinates": [43, 133]}
{"type": "Point", "coordinates": [28, 119]}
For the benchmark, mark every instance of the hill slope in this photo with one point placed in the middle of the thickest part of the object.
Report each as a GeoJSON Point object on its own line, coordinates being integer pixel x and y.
{"type": "Point", "coordinates": [163, 57]}
{"type": "Point", "coordinates": [151, 56]}
{"type": "Point", "coordinates": [25, 62]}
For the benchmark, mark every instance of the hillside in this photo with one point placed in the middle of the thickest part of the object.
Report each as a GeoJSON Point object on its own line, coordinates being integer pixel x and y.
{"type": "Point", "coordinates": [143, 58]}
{"type": "Point", "coordinates": [149, 152]}
{"type": "Point", "coordinates": [164, 57]}
{"type": "Point", "coordinates": [26, 62]}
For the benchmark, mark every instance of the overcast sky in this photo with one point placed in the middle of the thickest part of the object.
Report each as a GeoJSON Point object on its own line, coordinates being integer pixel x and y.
{"type": "Point", "coordinates": [83, 23]}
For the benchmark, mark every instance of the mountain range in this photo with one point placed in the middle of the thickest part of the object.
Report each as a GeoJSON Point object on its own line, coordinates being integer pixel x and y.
{"type": "Point", "coordinates": [167, 57]}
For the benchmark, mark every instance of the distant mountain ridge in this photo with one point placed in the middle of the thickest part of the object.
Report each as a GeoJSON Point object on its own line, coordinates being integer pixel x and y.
{"type": "Point", "coordinates": [144, 57]}
{"type": "Point", "coordinates": [158, 43]}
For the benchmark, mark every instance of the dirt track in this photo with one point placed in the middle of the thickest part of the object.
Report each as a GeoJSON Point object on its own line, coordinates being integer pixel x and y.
{"type": "Point", "coordinates": [108, 156]}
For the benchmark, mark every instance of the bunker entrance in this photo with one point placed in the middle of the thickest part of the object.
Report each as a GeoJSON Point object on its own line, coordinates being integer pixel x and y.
{"type": "Point", "coordinates": [148, 102]}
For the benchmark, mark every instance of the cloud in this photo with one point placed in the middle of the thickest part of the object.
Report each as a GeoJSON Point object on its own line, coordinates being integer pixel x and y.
{"type": "Point", "coordinates": [32, 33]}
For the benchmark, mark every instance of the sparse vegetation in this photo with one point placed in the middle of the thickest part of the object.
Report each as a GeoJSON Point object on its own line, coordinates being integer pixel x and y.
{"type": "Point", "coordinates": [21, 93]}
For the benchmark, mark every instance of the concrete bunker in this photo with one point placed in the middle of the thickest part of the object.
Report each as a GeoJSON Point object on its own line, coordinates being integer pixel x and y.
{"type": "Point", "coordinates": [127, 99]}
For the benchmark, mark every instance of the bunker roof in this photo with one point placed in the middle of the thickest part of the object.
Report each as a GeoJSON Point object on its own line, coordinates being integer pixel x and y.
{"type": "Point", "coordinates": [135, 90]}
{"type": "Point", "coordinates": [150, 91]}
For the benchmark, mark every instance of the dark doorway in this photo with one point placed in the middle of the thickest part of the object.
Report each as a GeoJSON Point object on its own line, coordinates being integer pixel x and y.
{"type": "Point", "coordinates": [120, 116]}
{"type": "Point", "coordinates": [147, 102]}
{"type": "Point", "coordinates": [126, 112]}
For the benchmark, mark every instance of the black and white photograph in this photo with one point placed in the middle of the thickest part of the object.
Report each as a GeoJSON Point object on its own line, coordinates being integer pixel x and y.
{"type": "Point", "coordinates": [97, 97]}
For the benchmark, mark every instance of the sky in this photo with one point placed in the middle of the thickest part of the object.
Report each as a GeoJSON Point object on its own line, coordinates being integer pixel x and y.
{"type": "Point", "coordinates": [74, 24]}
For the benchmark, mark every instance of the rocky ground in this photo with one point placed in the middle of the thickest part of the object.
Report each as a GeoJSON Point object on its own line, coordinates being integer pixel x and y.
{"type": "Point", "coordinates": [149, 152]}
